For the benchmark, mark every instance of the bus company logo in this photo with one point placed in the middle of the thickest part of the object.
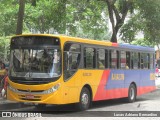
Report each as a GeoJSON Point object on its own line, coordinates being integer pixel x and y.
{"type": "Point", "coordinates": [152, 76]}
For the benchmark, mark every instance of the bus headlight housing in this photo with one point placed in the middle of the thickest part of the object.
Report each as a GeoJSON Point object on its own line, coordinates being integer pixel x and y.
{"type": "Point", "coordinates": [11, 88]}
{"type": "Point", "coordinates": [53, 89]}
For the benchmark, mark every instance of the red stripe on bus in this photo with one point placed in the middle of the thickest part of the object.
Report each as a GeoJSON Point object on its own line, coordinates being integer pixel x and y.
{"type": "Point", "coordinates": [112, 94]}
{"type": "Point", "coordinates": [121, 92]}
{"type": "Point", "coordinates": [145, 89]}
{"type": "Point", "coordinates": [100, 94]}
{"type": "Point", "coordinates": [115, 44]}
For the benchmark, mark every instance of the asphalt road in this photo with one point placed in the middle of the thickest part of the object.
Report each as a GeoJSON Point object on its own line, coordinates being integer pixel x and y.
{"type": "Point", "coordinates": [148, 102]}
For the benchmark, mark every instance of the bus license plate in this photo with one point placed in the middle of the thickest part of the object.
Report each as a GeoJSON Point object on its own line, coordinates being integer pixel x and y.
{"type": "Point", "coordinates": [30, 96]}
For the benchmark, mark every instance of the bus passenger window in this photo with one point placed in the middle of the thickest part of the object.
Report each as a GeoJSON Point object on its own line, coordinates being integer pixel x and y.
{"type": "Point", "coordinates": [72, 58]}
{"type": "Point", "coordinates": [134, 60]}
{"type": "Point", "coordinates": [123, 64]}
{"type": "Point", "coordinates": [128, 58]}
{"type": "Point", "coordinates": [148, 60]}
{"type": "Point", "coordinates": [89, 58]}
{"type": "Point", "coordinates": [113, 59]}
{"type": "Point", "coordinates": [144, 61]}
{"type": "Point", "coordinates": [118, 60]}
{"type": "Point", "coordinates": [151, 61]}
{"type": "Point", "coordinates": [106, 59]}
{"type": "Point", "coordinates": [101, 58]}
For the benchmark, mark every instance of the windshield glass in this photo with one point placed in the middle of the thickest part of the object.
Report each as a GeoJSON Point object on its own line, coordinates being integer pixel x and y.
{"type": "Point", "coordinates": [35, 63]}
{"type": "Point", "coordinates": [35, 59]}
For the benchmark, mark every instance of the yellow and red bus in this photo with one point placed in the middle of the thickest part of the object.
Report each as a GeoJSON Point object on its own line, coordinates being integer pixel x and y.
{"type": "Point", "coordinates": [58, 69]}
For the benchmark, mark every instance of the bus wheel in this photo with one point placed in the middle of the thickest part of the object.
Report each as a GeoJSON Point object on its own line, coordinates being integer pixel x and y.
{"type": "Point", "coordinates": [132, 93]}
{"type": "Point", "coordinates": [85, 99]}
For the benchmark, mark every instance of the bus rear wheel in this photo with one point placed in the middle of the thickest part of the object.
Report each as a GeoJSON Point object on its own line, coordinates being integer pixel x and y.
{"type": "Point", "coordinates": [132, 93]}
{"type": "Point", "coordinates": [85, 100]}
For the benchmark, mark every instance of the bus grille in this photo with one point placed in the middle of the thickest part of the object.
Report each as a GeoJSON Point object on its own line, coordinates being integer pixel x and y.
{"type": "Point", "coordinates": [37, 91]}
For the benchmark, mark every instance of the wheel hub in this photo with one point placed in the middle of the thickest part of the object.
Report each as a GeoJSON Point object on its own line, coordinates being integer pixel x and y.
{"type": "Point", "coordinates": [132, 93]}
{"type": "Point", "coordinates": [84, 99]}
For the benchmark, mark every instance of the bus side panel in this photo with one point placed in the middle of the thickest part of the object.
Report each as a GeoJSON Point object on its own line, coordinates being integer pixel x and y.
{"type": "Point", "coordinates": [132, 76]}
{"type": "Point", "coordinates": [114, 87]}
{"type": "Point", "coordinates": [147, 82]}
{"type": "Point", "coordinates": [74, 85]}
{"type": "Point", "coordinates": [118, 82]}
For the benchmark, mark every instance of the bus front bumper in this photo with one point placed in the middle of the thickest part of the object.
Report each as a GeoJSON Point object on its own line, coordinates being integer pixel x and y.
{"type": "Point", "coordinates": [52, 98]}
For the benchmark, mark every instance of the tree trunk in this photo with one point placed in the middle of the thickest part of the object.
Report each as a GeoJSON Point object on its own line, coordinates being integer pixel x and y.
{"type": "Point", "coordinates": [20, 17]}
{"type": "Point", "coordinates": [114, 36]}
{"type": "Point", "coordinates": [117, 17]}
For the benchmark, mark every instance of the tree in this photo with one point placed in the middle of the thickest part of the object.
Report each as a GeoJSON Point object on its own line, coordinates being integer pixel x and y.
{"type": "Point", "coordinates": [8, 13]}
{"type": "Point", "coordinates": [142, 42]}
{"type": "Point", "coordinates": [84, 19]}
{"type": "Point", "coordinates": [20, 17]}
{"type": "Point", "coordinates": [80, 18]}
{"type": "Point", "coordinates": [47, 16]}
{"type": "Point", "coordinates": [145, 20]}
{"type": "Point", "coordinates": [119, 9]}
{"type": "Point", "coordinates": [132, 27]}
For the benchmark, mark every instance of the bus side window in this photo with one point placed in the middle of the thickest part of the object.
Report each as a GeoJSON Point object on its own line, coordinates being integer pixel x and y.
{"type": "Point", "coordinates": [148, 56]}
{"type": "Point", "coordinates": [89, 58]}
{"type": "Point", "coordinates": [118, 59]}
{"type": "Point", "coordinates": [101, 58]}
{"type": "Point", "coordinates": [134, 60]}
{"type": "Point", "coordinates": [113, 59]}
{"type": "Point", "coordinates": [151, 61]}
{"type": "Point", "coordinates": [110, 59]}
{"type": "Point", "coordinates": [72, 57]}
{"type": "Point", "coordinates": [106, 59]}
{"type": "Point", "coordinates": [128, 59]}
{"type": "Point", "coordinates": [123, 64]}
{"type": "Point", "coordinates": [146, 60]}
{"type": "Point", "coordinates": [139, 60]}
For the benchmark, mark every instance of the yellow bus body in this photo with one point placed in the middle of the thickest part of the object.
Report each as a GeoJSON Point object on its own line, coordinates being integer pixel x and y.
{"type": "Point", "coordinates": [69, 91]}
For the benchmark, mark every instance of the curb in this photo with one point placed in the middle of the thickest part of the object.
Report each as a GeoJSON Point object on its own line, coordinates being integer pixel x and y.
{"type": "Point", "coordinates": [5, 101]}
{"type": "Point", "coordinates": [8, 105]}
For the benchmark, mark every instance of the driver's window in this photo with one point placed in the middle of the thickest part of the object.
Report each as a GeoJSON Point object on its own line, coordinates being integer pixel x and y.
{"type": "Point", "coordinates": [71, 59]}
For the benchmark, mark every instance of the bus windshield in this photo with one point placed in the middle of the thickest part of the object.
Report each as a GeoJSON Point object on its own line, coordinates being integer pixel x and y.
{"type": "Point", "coordinates": [30, 60]}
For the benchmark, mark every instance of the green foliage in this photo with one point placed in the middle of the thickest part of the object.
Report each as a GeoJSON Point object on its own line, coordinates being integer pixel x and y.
{"type": "Point", "coordinates": [8, 21]}
{"type": "Point", "coordinates": [145, 20]}
{"type": "Point", "coordinates": [4, 48]}
{"type": "Point", "coordinates": [142, 42]}
{"type": "Point", "coordinates": [132, 28]}
{"type": "Point", "coordinates": [87, 19]}
{"type": "Point", "coordinates": [46, 15]}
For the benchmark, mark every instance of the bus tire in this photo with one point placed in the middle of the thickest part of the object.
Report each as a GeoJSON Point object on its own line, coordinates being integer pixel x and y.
{"type": "Point", "coordinates": [132, 93]}
{"type": "Point", "coordinates": [84, 100]}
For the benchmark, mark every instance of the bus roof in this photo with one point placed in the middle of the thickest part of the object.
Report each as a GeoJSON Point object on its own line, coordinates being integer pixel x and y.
{"type": "Point", "coordinates": [96, 42]}
{"type": "Point", "coordinates": [136, 47]}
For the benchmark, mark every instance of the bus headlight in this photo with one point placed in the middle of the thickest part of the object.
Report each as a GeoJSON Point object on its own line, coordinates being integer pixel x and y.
{"type": "Point", "coordinates": [53, 89]}
{"type": "Point", "coordinates": [13, 89]}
